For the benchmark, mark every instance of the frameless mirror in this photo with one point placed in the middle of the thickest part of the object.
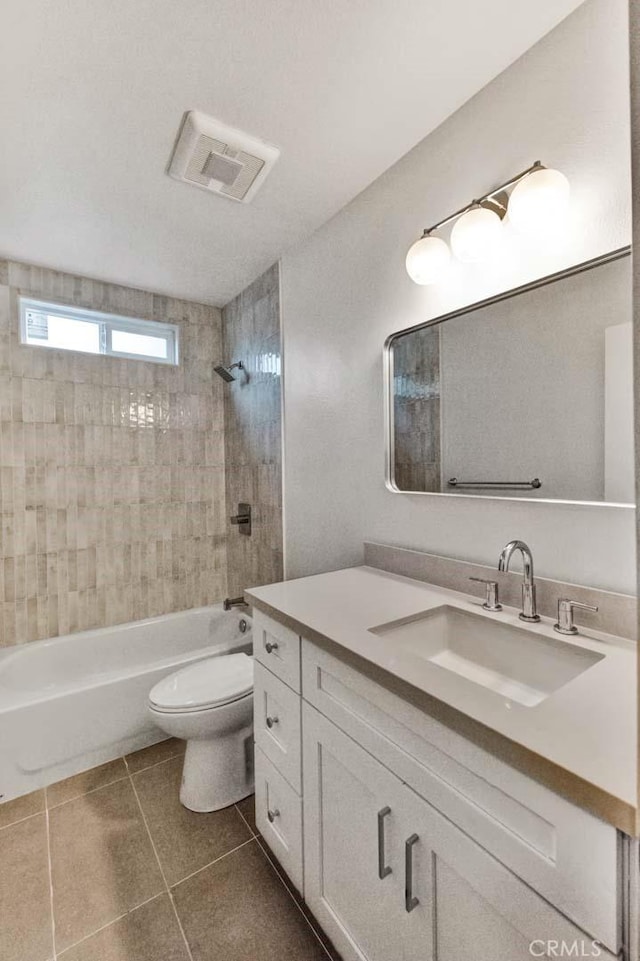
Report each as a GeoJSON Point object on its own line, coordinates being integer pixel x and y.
{"type": "Point", "coordinates": [528, 395]}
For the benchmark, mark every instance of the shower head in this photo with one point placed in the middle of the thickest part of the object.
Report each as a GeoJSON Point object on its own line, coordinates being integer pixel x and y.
{"type": "Point", "coordinates": [225, 372]}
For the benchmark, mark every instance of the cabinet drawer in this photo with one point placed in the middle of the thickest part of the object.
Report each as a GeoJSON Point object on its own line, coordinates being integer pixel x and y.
{"type": "Point", "coordinates": [276, 724]}
{"type": "Point", "coordinates": [278, 648]}
{"type": "Point", "coordinates": [279, 817]}
{"type": "Point", "coordinates": [567, 855]}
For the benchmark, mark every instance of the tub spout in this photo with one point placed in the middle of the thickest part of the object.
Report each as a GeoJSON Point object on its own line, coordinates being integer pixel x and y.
{"type": "Point", "coordinates": [231, 602]}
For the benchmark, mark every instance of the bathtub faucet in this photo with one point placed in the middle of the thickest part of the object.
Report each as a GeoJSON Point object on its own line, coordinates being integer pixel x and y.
{"type": "Point", "coordinates": [230, 602]}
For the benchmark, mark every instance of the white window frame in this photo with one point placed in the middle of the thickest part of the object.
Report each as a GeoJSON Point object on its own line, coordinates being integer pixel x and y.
{"type": "Point", "coordinates": [106, 323]}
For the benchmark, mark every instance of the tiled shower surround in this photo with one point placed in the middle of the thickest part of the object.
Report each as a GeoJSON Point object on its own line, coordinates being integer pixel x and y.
{"type": "Point", "coordinates": [112, 486]}
{"type": "Point", "coordinates": [251, 334]}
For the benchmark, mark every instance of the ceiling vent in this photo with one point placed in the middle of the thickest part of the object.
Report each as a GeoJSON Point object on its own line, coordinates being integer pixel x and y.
{"type": "Point", "coordinates": [221, 159]}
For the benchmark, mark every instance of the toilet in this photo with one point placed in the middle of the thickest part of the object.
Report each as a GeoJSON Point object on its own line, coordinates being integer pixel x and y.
{"type": "Point", "coordinates": [210, 705]}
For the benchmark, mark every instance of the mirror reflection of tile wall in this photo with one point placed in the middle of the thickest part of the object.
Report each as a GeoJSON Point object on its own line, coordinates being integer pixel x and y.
{"type": "Point", "coordinates": [111, 470]}
{"type": "Point", "coordinates": [416, 411]}
{"type": "Point", "coordinates": [253, 423]}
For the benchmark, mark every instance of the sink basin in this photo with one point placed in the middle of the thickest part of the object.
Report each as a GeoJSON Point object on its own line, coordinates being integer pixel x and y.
{"type": "Point", "coordinates": [516, 663]}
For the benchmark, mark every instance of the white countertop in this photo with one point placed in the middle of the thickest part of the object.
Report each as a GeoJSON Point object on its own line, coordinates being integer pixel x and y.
{"type": "Point", "coordinates": [587, 728]}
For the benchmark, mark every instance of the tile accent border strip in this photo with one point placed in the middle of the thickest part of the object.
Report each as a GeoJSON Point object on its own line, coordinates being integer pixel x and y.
{"type": "Point", "coordinates": [616, 614]}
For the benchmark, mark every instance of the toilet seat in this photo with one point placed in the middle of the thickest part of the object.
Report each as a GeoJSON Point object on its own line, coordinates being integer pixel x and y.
{"type": "Point", "coordinates": [204, 685]}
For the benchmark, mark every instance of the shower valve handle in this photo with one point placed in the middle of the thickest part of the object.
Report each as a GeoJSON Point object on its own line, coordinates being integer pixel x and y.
{"type": "Point", "coordinates": [243, 519]}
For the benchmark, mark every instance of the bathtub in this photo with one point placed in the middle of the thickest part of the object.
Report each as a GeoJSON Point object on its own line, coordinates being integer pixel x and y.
{"type": "Point", "coordinates": [70, 703]}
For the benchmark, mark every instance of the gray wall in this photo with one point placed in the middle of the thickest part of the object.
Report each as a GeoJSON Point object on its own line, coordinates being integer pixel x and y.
{"type": "Point", "coordinates": [253, 421]}
{"type": "Point", "coordinates": [523, 385]}
{"type": "Point", "coordinates": [566, 102]}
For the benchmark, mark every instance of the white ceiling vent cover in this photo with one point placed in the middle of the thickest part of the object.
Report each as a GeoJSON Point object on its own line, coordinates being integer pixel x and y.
{"type": "Point", "coordinates": [221, 159]}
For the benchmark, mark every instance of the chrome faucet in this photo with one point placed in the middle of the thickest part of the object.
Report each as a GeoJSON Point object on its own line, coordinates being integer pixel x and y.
{"type": "Point", "coordinates": [528, 585]}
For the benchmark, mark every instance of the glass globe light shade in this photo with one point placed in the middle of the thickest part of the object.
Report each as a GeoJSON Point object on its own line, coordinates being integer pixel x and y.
{"type": "Point", "coordinates": [427, 260]}
{"type": "Point", "coordinates": [539, 202]}
{"type": "Point", "coordinates": [476, 235]}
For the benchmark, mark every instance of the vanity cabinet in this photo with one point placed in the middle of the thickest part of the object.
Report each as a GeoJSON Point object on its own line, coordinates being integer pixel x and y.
{"type": "Point", "coordinates": [278, 742]}
{"type": "Point", "coordinates": [390, 877]}
{"type": "Point", "coordinates": [407, 840]}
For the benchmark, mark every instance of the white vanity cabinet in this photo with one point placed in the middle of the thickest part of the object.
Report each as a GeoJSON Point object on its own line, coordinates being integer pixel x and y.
{"type": "Point", "coordinates": [389, 877]}
{"type": "Point", "coordinates": [414, 843]}
{"type": "Point", "coordinates": [277, 734]}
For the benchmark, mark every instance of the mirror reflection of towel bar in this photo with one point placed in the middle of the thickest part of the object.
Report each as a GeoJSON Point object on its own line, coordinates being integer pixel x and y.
{"type": "Point", "coordinates": [504, 485]}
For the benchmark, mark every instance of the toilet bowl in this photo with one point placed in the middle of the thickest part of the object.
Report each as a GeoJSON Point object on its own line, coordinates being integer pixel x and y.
{"type": "Point", "coordinates": [210, 706]}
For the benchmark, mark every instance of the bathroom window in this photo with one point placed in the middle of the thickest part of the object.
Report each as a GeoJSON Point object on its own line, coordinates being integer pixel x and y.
{"type": "Point", "coordinates": [92, 332]}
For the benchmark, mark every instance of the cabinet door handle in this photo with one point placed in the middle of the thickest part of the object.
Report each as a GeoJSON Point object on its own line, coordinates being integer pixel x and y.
{"type": "Point", "coordinates": [271, 720]}
{"type": "Point", "coordinates": [270, 646]}
{"type": "Point", "coordinates": [383, 869]}
{"type": "Point", "coordinates": [409, 901]}
{"type": "Point", "coordinates": [272, 815]}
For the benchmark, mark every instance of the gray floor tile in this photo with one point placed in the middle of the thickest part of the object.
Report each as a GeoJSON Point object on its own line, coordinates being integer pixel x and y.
{"type": "Point", "coordinates": [184, 841]}
{"type": "Point", "coordinates": [21, 807]}
{"type": "Point", "coordinates": [102, 861]}
{"type": "Point", "coordinates": [247, 808]}
{"type": "Point", "coordinates": [25, 906]}
{"type": "Point", "coordinates": [150, 933]}
{"type": "Point", "coordinates": [147, 756]}
{"type": "Point", "coordinates": [238, 910]}
{"type": "Point", "coordinates": [87, 781]}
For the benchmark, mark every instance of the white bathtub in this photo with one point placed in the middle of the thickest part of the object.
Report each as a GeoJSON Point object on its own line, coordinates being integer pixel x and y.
{"type": "Point", "coordinates": [71, 703]}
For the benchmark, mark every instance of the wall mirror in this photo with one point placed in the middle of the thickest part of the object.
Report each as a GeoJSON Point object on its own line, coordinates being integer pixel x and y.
{"type": "Point", "coordinates": [526, 395]}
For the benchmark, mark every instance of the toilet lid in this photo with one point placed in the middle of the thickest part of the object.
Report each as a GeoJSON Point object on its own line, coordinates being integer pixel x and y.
{"type": "Point", "coordinates": [209, 683]}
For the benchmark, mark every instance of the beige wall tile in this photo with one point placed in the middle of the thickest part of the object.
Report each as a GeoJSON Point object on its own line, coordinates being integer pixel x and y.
{"type": "Point", "coordinates": [251, 333]}
{"type": "Point", "coordinates": [99, 458]}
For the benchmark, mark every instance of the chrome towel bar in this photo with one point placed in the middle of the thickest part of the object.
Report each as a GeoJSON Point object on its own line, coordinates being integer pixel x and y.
{"type": "Point", "coordinates": [503, 485]}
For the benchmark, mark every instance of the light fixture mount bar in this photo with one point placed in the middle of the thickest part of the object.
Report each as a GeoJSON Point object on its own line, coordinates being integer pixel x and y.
{"type": "Point", "coordinates": [490, 199]}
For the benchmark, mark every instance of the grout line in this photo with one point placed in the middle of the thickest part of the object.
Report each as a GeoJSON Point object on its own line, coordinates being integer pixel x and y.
{"type": "Point", "coordinates": [149, 766]}
{"type": "Point", "coordinates": [163, 875]}
{"type": "Point", "coordinates": [54, 807]}
{"type": "Point", "coordinates": [103, 927]}
{"type": "Point", "coordinates": [265, 850]}
{"type": "Point", "coordinates": [50, 870]}
{"type": "Point", "coordinates": [165, 760]}
{"type": "Point", "coordinates": [146, 824]}
{"type": "Point", "coordinates": [182, 931]}
{"type": "Point", "coordinates": [215, 861]}
{"type": "Point", "coordinates": [253, 833]}
{"type": "Point", "coordinates": [22, 820]}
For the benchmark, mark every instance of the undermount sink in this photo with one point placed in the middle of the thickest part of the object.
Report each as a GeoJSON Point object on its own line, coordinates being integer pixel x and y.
{"type": "Point", "coordinates": [514, 662]}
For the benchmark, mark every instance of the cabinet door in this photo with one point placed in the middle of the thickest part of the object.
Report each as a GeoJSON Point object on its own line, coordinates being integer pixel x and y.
{"type": "Point", "coordinates": [462, 903]}
{"type": "Point", "coordinates": [354, 873]}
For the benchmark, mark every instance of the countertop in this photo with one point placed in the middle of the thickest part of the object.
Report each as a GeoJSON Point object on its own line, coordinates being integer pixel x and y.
{"type": "Point", "coordinates": [580, 740]}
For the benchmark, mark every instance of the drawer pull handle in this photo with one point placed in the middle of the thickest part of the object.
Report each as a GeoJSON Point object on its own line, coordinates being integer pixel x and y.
{"type": "Point", "coordinates": [409, 901]}
{"type": "Point", "coordinates": [271, 721]}
{"type": "Point", "coordinates": [271, 646]}
{"type": "Point", "coordinates": [383, 869]}
{"type": "Point", "coordinates": [272, 815]}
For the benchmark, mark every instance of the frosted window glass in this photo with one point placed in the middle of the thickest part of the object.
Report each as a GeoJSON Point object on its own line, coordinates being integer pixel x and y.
{"type": "Point", "coordinates": [124, 342]}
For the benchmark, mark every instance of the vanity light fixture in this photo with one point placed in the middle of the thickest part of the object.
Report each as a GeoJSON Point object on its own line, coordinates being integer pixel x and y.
{"type": "Point", "coordinates": [540, 197]}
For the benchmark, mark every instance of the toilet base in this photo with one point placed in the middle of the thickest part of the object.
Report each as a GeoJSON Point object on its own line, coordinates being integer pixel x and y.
{"type": "Point", "coordinates": [218, 772]}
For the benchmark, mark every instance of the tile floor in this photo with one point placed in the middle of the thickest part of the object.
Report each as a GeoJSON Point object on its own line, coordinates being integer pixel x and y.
{"type": "Point", "coordinates": [108, 866]}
